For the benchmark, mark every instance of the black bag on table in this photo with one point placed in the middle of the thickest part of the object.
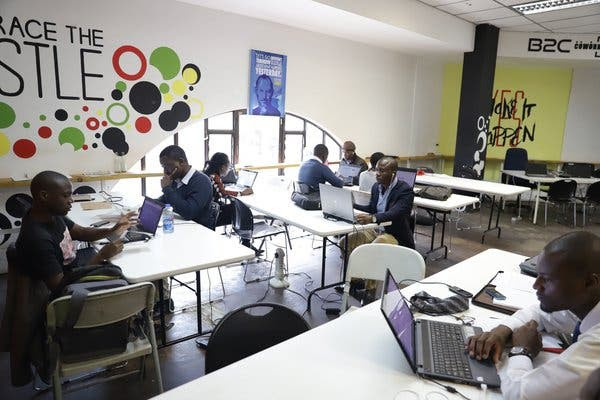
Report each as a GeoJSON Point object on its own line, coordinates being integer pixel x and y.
{"type": "Point", "coordinates": [440, 193]}
{"type": "Point", "coordinates": [306, 198]}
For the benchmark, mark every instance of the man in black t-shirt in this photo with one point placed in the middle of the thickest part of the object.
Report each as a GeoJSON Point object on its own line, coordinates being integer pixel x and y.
{"type": "Point", "coordinates": [45, 246]}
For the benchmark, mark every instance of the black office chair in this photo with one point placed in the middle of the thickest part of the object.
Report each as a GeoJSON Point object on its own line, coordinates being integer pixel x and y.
{"type": "Point", "coordinates": [244, 225]}
{"type": "Point", "coordinates": [515, 159]}
{"type": "Point", "coordinates": [592, 198]}
{"type": "Point", "coordinates": [596, 173]}
{"type": "Point", "coordinates": [562, 193]}
{"type": "Point", "coordinates": [250, 329]}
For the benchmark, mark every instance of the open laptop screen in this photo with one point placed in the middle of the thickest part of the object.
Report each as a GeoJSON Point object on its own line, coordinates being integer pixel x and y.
{"type": "Point", "coordinates": [246, 178]}
{"type": "Point", "coordinates": [348, 171]}
{"type": "Point", "coordinates": [408, 175]}
{"type": "Point", "coordinates": [150, 215]}
{"type": "Point", "coordinates": [399, 317]}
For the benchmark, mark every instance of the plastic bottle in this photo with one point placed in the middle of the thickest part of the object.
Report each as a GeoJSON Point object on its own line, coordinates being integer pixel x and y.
{"type": "Point", "coordinates": [168, 225]}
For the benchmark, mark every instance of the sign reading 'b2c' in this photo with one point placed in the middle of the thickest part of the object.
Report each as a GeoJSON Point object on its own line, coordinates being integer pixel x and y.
{"type": "Point", "coordinates": [549, 45]}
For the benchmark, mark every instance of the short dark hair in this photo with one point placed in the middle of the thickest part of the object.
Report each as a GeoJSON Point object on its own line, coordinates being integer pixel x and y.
{"type": "Point", "coordinates": [216, 162]}
{"type": "Point", "coordinates": [173, 152]}
{"type": "Point", "coordinates": [46, 180]}
{"type": "Point", "coordinates": [374, 158]}
{"type": "Point", "coordinates": [321, 151]}
{"type": "Point", "coordinates": [579, 250]}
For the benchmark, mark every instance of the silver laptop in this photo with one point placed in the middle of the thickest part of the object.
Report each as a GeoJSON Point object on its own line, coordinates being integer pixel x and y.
{"type": "Point", "coordinates": [336, 203]}
{"type": "Point", "coordinates": [434, 349]}
{"type": "Point", "coordinates": [245, 180]}
{"type": "Point", "coordinates": [348, 172]}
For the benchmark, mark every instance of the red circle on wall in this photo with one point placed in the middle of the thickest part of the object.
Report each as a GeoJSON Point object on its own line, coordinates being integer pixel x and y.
{"type": "Point", "coordinates": [24, 148]}
{"type": "Point", "coordinates": [45, 132]}
{"type": "Point", "coordinates": [85, 147]}
{"type": "Point", "coordinates": [92, 123]}
{"type": "Point", "coordinates": [143, 124]}
{"type": "Point", "coordinates": [129, 49]}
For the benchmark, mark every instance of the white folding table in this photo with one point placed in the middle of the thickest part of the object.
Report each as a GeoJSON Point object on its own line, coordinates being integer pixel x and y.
{"type": "Point", "coordinates": [539, 180]}
{"type": "Point", "coordinates": [190, 248]}
{"type": "Point", "coordinates": [478, 186]}
{"type": "Point", "coordinates": [352, 357]}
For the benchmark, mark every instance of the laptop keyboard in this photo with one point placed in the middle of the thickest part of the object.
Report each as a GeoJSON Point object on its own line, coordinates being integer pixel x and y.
{"type": "Point", "coordinates": [448, 348]}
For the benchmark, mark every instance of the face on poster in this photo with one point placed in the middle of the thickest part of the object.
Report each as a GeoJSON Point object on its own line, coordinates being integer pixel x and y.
{"type": "Point", "coordinates": [267, 83]}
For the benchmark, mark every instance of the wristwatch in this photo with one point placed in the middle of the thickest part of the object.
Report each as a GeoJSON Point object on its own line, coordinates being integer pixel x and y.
{"type": "Point", "coordinates": [520, 351]}
{"type": "Point", "coordinates": [373, 219]}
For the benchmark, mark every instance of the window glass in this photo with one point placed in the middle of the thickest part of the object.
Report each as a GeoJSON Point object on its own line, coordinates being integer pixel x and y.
{"type": "Point", "coordinates": [221, 122]}
{"type": "Point", "coordinates": [259, 140]}
{"type": "Point", "coordinates": [293, 149]}
{"type": "Point", "coordinates": [334, 149]}
{"type": "Point", "coordinates": [314, 136]}
{"type": "Point", "coordinates": [191, 140]}
{"type": "Point", "coordinates": [219, 143]}
{"type": "Point", "coordinates": [152, 160]}
{"type": "Point", "coordinates": [293, 123]}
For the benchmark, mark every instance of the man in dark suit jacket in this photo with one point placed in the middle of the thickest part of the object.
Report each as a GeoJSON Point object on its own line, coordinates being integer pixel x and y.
{"type": "Point", "coordinates": [391, 200]}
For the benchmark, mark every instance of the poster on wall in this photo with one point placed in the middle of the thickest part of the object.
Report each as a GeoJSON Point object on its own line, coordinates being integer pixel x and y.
{"type": "Point", "coordinates": [267, 83]}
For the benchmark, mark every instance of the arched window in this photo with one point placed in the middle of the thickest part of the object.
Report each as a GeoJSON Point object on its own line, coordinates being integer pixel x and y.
{"type": "Point", "coordinates": [249, 140]}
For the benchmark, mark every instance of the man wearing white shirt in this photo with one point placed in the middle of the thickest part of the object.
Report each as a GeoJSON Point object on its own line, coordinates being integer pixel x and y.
{"type": "Point", "coordinates": [568, 288]}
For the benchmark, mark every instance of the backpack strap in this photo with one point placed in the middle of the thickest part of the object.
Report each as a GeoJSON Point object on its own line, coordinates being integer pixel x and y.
{"type": "Point", "coordinates": [75, 307]}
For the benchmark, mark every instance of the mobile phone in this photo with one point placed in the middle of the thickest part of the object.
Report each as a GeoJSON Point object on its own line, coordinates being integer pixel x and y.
{"type": "Point", "coordinates": [495, 294]}
{"type": "Point", "coordinates": [460, 292]}
{"type": "Point", "coordinates": [99, 224]}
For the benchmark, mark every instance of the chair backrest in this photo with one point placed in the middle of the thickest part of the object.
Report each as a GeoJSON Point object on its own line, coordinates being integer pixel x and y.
{"type": "Point", "coordinates": [370, 261]}
{"type": "Point", "coordinates": [429, 170]}
{"type": "Point", "coordinates": [515, 159]}
{"type": "Point", "coordinates": [596, 173]}
{"type": "Point", "coordinates": [563, 190]}
{"type": "Point", "coordinates": [250, 329]}
{"type": "Point", "coordinates": [243, 219]}
{"type": "Point", "coordinates": [214, 209]}
{"type": "Point", "coordinates": [593, 193]}
{"type": "Point", "coordinates": [468, 172]}
{"type": "Point", "coordinates": [103, 307]}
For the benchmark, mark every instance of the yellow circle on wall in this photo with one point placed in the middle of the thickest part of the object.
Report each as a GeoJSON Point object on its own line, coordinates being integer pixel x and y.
{"type": "Point", "coordinates": [4, 144]}
{"type": "Point", "coordinates": [190, 76]}
{"type": "Point", "coordinates": [179, 87]}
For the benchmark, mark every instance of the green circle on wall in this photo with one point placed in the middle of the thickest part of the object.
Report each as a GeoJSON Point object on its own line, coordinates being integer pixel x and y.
{"type": "Point", "coordinates": [121, 86]}
{"type": "Point", "coordinates": [42, 117]}
{"type": "Point", "coordinates": [7, 115]}
{"type": "Point", "coordinates": [164, 88]}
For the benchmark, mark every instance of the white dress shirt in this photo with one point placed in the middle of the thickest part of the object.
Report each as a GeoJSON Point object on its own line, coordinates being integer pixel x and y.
{"type": "Point", "coordinates": [186, 179]}
{"type": "Point", "coordinates": [366, 180]}
{"type": "Point", "coordinates": [561, 377]}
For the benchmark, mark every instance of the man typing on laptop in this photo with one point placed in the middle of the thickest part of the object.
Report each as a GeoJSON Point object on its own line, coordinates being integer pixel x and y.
{"type": "Point", "coordinates": [568, 288]}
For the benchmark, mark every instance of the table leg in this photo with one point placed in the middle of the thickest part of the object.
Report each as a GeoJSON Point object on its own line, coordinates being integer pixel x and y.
{"type": "Point", "coordinates": [537, 203]}
{"type": "Point", "coordinates": [433, 226]}
{"type": "Point", "coordinates": [161, 300]}
{"type": "Point", "coordinates": [323, 286]}
{"type": "Point", "coordinates": [199, 302]}
{"type": "Point", "coordinates": [442, 245]}
{"type": "Point", "coordinates": [443, 234]}
{"type": "Point", "coordinates": [497, 227]}
{"type": "Point", "coordinates": [323, 259]}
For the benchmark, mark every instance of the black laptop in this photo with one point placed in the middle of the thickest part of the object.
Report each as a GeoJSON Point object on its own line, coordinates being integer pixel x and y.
{"type": "Point", "coordinates": [529, 266]}
{"type": "Point", "coordinates": [149, 218]}
{"type": "Point", "coordinates": [537, 170]}
{"type": "Point", "coordinates": [408, 175]}
{"type": "Point", "coordinates": [434, 349]}
{"type": "Point", "coordinates": [578, 170]}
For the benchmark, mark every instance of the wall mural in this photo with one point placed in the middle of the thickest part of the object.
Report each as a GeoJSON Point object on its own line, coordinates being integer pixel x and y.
{"type": "Point", "coordinates": [85, 126]}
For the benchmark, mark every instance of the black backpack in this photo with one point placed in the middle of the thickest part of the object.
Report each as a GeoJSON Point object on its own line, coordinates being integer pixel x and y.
{"type": "Point", "coordinates": [306, 198]}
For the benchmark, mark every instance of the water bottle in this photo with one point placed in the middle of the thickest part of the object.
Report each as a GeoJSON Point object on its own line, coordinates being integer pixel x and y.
{"type": "Point", "coordinates": [168, 225]}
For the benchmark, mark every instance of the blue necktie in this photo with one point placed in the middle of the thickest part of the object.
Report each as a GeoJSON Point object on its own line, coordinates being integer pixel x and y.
{"type": "Point", "coordinates": [576, 332]}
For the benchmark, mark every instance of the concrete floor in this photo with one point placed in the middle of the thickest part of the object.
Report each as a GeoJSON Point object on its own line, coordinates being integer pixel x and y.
{"type": "Point", "coordinates": [183, 362]}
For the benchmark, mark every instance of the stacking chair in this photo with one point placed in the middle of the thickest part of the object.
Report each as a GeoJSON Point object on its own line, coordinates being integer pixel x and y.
{"type": "Point", "coordinates": [562, 193]}
{"type": "Point", "coordinates": [250, 329]}
{"type": "Point", "coordinates": [592, 198]}
{"type": "Point", "coordinates": [244, 225]}
{"type": "Point", "coordinates": [370, 261]}
{"type": "Point", "coordinates": [101, 308]}
{"type": "Point", "coordinates": [596, 173]}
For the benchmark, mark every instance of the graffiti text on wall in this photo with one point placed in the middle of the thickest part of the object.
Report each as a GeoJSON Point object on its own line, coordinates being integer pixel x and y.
{"type": "Point", "coordinates": [512, 120]}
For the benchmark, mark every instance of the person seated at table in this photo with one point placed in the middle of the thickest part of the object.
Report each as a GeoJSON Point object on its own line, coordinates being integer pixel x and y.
{"type": "Point", "coordinates": [46, 249]}
{"type": "Point", "coordinates": [591, 389]}
{"type": "Point", "coordinates": [568, 289]}
{"type": "Point", "coordinates": [349, 157]}
{"type": "Point", "coordinates": [391, 200]}
{"type": "Point", "coordinates": [188, 191]}
{"type": "Point", "coordinates": [367, 178]}
{"type": "Point", "coordinates": [314, 170]}
{"type": "Point", "coordinates": [216, 168]}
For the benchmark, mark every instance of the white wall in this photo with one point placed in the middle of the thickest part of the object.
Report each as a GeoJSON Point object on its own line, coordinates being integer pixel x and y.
{"type": "Point", "coordinates": [373, 96]}
{"type": "Point", "coordinates": [582, 129]}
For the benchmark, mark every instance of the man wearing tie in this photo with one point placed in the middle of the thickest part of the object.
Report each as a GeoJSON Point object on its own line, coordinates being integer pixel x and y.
{"type": "Point", "coordinates": [568, 289]}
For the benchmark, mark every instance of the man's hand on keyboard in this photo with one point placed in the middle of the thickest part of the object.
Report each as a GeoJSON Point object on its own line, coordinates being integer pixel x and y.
{"type": "Point", "coordinates": [490, 343]}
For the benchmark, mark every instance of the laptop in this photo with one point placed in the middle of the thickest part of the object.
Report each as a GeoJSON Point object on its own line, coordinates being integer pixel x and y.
{"type": "Point", "coordinates": [408, 175]}
{"type": "Point", "coordinates": [529, 266]}
{"type": "Point", "coordinates": [245, 180]}
{"type": "Point", "coordinates": [149, 217]}
{"type": "Point", "coordinates": [348, 172]}
{"type": "Point", "coordinates": [434, 349]}
{"type": "Point", "coordinates": [336, 203]}
{"type": "Point", "coordinates": [578, 170]}
{"type": "Point", "coordinates": [536, 169]}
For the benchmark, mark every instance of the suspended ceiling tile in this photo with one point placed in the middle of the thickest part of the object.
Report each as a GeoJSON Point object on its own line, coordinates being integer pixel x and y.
{"type": "Point", "coordinates": [566, 13]}
{"type": "Point", "coordinates": [486, 15]}
{"type": "Point", "coordinates": [438, 2]}
{"type": "Point", "coordinates": [594, 29]}
{"type": "Point", "coordinates": [572, 22]}
{"type": "Point", "coordinates": [468, 6]}
{"type": "Point", "coordinates": [511, 21]}
{"type": "Point", "coordinates": [525, 28]}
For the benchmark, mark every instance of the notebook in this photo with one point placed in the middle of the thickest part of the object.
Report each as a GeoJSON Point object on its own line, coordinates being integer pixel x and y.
{"type": "Point", "coordinates": [336, 203]}
{"type": "Point", "coordinates": [245, 180]}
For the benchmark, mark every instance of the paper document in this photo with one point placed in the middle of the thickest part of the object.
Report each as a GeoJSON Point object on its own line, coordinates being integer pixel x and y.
{"type": "Point", "coordinates": [517, 288]}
